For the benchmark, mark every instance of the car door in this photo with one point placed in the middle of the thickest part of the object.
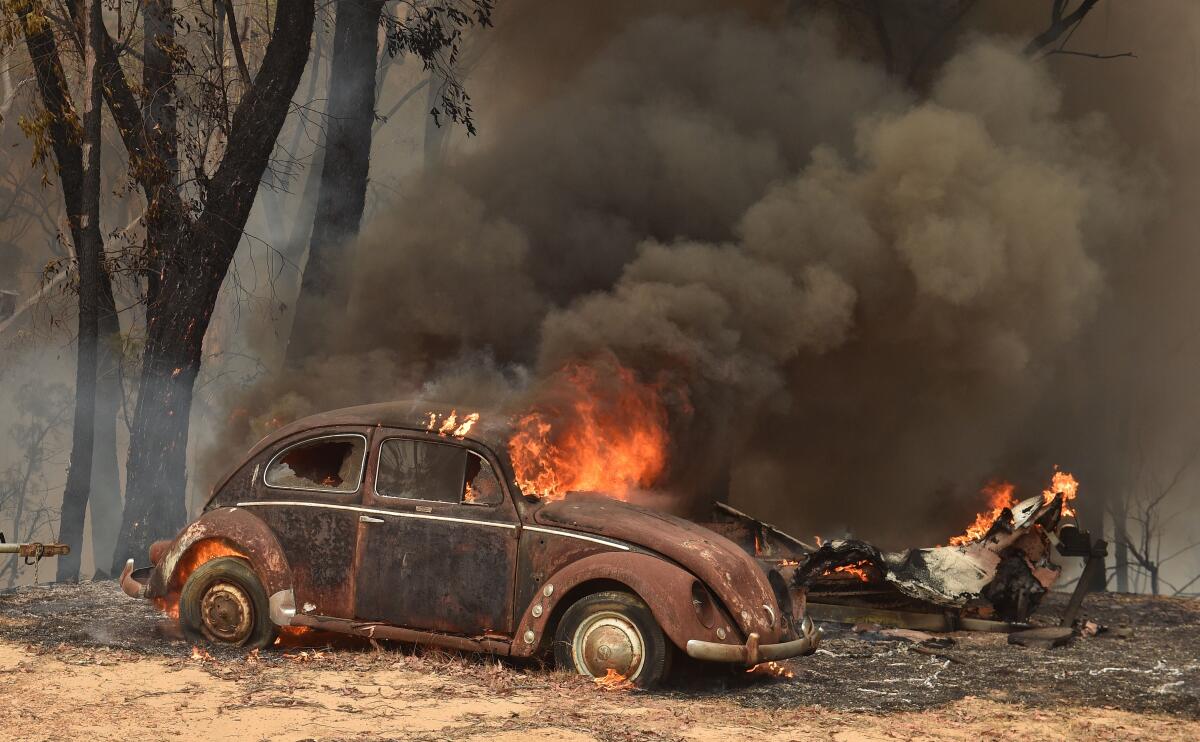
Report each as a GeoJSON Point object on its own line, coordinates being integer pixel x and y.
{"type": "Point", "coordinates": [438, 538]}
{"type": "Point", "coordinates": [308, 494]}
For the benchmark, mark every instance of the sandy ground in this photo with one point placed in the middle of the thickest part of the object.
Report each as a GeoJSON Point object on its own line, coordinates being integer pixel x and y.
{"type": "Point", "coordinates": [113, 672]}
{"type": "Point", "coordinates": [112, 695]}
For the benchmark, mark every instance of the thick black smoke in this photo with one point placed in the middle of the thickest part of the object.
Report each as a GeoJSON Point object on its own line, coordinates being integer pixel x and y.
{"type": "Point", "coordinates": [864, 295]}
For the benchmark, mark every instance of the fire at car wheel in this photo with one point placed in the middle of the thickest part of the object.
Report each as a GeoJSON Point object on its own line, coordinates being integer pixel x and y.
{"type": "Point", "coordinates": [612, 633]}
{"type": "Point", "coordinates": [223, 602]}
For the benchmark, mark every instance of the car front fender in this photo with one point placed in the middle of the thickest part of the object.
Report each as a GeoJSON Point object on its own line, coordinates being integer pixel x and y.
{"type": "Point", "coordinates": [240, 532]}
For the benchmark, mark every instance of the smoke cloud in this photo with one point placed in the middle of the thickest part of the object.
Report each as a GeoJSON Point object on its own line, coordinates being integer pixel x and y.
{"type": "Point", "coordinates": [863, 296]}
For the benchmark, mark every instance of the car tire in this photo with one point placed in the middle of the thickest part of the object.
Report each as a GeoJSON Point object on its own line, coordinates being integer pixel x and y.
{"type": "Point", "coordinates": [223, 602]}
{"type": "Point", "coordinates": [604, 631]}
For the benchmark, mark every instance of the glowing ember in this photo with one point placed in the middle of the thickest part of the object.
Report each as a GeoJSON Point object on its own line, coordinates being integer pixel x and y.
{"type": "Point", "coordinates": [1062, 484]}
{"type": "Point", "coordinates": [855, 570]}
{"type": "Point", "coordinates": [452, 424]}
{"type": "Point", "coordinates": [1000, 496]}
{"type": "Point", "coordinates": [613, 680]}
{"type": "Point", "coordinates": [297, 636]}
{"type": "Point", "coordinates": [771, 669]}
{"type": "Point", "coordinates": [200, 654]}
{"type": "Point", "coordinates": [591, 432]}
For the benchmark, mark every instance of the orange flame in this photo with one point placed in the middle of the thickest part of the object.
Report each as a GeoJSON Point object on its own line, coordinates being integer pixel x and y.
{"type": "Point", "coordinates": [613, 680]}
{"type": "Point", "coordinates": [854, 570]}
{"type": "Point", "coordinates": [1065, 484]}
{"type": "Point", "coordinates": [1000, 496]}
{"type": "Point", "coordinates": [591, 433]}
{"type": "Point", "coordinates": [452, 424]}
{"type": "Point", "coordinates": [199, 554]}
{"type": "Point", "coordinates": [771, 669]}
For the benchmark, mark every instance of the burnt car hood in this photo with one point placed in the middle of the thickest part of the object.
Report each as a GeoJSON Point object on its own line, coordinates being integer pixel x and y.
{"type": "Point", "coordinates": [736, 579]}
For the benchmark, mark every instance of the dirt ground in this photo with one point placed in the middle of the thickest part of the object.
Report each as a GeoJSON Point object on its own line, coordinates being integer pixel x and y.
{"type": "Point", "coordinates": [85, 662]}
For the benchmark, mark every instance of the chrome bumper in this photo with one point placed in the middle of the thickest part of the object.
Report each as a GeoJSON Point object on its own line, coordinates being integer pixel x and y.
{"type": "Point", "coordinates": [133, 587]}
{"type": "Point", "coordinates": [752, 653]}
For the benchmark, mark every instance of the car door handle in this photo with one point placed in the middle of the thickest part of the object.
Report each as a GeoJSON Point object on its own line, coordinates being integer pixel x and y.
{"type": "Point", "coordinates": [369, 519]}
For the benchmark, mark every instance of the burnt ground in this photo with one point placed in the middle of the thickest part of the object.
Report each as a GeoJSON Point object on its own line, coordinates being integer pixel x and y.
{"type": "Point", "coordinates": [1155, 671]}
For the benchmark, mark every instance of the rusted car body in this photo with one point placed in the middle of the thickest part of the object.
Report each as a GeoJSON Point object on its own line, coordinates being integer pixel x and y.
{"type": "Point", "coordinates": [363, 521]}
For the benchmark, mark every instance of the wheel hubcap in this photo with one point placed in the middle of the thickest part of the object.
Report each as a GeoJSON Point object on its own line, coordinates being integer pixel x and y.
{"type": "Point", "coordinates": [608, 641]}
{"type": "Point", "coordinates": [226, 613]}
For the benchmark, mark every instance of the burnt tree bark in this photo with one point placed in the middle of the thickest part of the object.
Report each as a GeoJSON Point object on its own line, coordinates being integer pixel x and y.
{"type": "Point", "coordinates": [104, 498]}
{"type": "Point", "coordinates": [88, 250]}
{"type": "Point", "coordinates": [344, 169]}
{"type": "Point", "coordinates": [188, 273]}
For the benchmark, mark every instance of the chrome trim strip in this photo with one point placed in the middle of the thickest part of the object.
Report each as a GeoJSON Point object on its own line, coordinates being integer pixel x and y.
{"type": "Point", "coordinates": [358, 509]}
{"type": "Point", "coordinates": [580, 536]}
{"type": "Point", "coordinates": [362, 465]}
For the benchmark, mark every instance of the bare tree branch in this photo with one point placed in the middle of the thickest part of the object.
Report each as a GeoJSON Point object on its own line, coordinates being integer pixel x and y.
{"type": "Point", "coordinates": [236, 41]}
{"type": "Point", "coordinates": [1059, 24]}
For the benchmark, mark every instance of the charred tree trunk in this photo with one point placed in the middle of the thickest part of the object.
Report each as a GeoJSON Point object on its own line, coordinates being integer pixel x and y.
{"type": "Point", "coordinates": [88, 249]}
{"type": "Point", "coordinates": [160, 160]}
{"type": "Point", "coordinates": [104, 496]}
{"type": "Point", "coordinates": [104, 501]}
{"type": "Point", "coordinates": [184, 291]}
{"type": "Point", "coordinates": [1121, 557]}
{"type": "Point", "coordinates": [156, 469]}
{"type": "Point", "coordinates": [344, 170]}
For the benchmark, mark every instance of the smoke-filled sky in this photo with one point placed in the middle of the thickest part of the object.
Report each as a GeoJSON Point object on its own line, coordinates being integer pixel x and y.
{"type": "Point", "coordinates": [872, 299]}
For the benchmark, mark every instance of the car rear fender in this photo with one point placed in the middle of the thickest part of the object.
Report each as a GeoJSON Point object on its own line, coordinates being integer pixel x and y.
{"type": "Point", "coordinates": [665, 588]}
{"type": "Point", "coordinates": [224, 531]}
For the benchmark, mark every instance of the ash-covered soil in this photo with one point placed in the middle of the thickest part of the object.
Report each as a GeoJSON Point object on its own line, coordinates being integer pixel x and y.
{"type": "Point", "coordinates": [1155, 670]}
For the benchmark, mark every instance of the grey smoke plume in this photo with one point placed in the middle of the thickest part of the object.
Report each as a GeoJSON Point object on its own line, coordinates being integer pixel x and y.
{"type": "Point", "coordinates": [863, 295]}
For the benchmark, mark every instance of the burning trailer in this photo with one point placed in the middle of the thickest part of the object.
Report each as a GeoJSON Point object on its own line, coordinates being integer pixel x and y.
{"type": "Point", "coordinates": [991, 578]}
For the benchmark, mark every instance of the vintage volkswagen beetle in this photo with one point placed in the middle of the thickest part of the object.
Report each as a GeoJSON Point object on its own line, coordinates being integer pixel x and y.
{"type": "Point", "coordinates": [363, 521]}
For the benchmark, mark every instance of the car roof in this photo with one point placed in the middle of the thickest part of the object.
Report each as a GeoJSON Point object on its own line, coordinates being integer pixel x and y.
{"type": "Point", "coordinates": [492, 428]}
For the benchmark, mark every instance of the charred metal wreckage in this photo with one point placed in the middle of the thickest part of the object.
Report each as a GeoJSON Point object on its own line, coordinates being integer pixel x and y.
{"type": "Point", "coordinates": [991, 583]}
{"type": "Point", "coordinates": [362, 521]}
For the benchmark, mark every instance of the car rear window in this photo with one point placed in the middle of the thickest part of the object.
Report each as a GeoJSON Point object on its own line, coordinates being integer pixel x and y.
{"type": "Point", "coordinates": [331, 463]}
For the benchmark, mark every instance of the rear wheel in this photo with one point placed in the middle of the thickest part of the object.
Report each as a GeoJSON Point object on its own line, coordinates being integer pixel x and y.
{"type": "Point", "coordinates": [613, 633]}
{"type": "Point", "coordinates": [223, 602]}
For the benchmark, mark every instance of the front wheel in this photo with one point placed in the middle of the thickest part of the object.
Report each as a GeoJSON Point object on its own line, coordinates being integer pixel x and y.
{"type": "Point", "coordinates": [223, 602]}
{"type": "Point", "coordinates": [612, 633]}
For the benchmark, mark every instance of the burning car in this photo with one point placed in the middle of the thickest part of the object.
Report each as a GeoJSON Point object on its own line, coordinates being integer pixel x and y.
{"type": "Point", "coordinates": [390, 521]}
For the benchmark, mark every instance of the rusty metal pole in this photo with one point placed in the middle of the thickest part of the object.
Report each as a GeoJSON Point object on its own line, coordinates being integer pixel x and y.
{"type": "Point", "coordinates": [35, 550]}
{"type": "Point", "coordinates": [1095, 562]}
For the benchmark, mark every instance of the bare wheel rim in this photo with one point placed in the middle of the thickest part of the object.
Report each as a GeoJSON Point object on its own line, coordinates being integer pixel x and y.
{"type": "Point", "coordinates": [608, 640]}
{"type": "Point", "coordinates": [226, 613]}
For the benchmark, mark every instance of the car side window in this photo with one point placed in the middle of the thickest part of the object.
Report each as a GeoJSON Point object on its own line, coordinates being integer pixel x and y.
{"type": "Point", "coordinates": [439, 472]}
{"type": "Point", "coordinates": [332, 463]}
